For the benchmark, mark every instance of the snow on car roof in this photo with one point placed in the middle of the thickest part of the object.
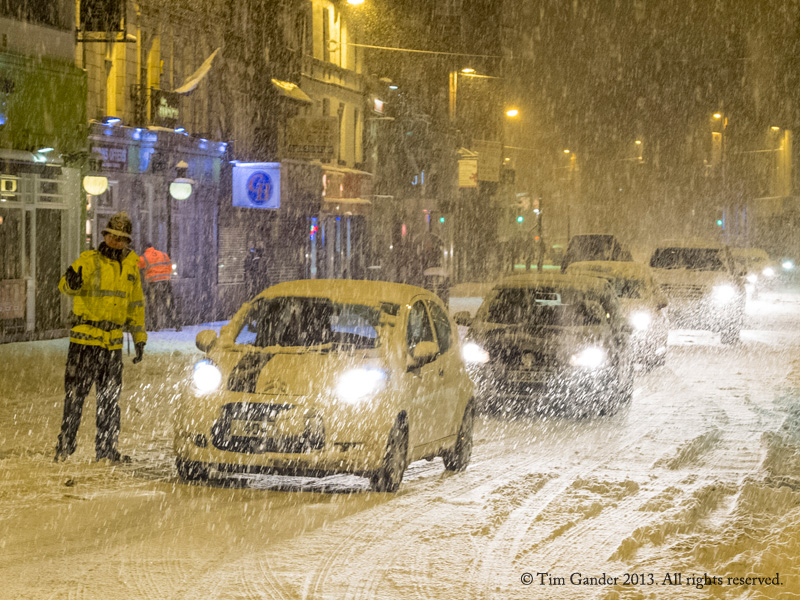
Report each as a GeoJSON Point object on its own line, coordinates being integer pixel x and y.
{"type": "Point", "coordinates": [613, 268]}
{"type": "Point", "coordinates": [582, 282]}
{"type": "Point", "coordinates": [347, 291]}
{"type": "Point", "coordinates": [690, 243]}
{"type": "Point", "coordinates": [749, 253]}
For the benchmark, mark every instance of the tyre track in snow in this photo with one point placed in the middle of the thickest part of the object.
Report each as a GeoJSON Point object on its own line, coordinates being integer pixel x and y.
{"type": "Point", "coordinates": [705, 456]}
{"type": "Point", "coordinates": [388, 550]}
{"type": "Point", "coordinates": [368, 543]}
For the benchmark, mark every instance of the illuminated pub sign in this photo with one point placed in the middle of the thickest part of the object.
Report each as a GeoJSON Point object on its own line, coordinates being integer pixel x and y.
{"type": "Point", "coordinates": [257, 185]}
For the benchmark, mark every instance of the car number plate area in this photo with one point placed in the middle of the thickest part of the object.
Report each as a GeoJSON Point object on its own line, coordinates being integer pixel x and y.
{"type": "Point", "coordinates": [529, 376]}
{"type": "Point", "coordinates": [253, 429]}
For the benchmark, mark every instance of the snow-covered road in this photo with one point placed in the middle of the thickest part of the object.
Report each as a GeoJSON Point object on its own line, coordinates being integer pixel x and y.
{"type": "Point", "coordinates": [701, 475]}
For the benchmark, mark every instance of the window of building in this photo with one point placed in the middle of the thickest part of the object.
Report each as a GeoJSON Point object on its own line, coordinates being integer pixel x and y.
{"type": "Point", "coordinates": [326, 34]}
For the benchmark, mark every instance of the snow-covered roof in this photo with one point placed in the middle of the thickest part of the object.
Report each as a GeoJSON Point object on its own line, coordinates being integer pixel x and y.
{"type": "Point", "coordinates": [690, 243]}
{"type": "Point", "coordinates": [347, 291]}
{"type": "Point", "coordinates": [583, 282]}
{"type": "Point", "coordinates": [610, 268]}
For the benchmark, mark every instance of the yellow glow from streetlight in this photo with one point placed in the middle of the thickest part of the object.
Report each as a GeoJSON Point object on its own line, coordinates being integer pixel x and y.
{"type": "Point", "coordinates": [467, 70]}
{"type": "Point", "coordinates": [566, 151]}
{"type": "Point", "coordinates": [355, 2]}
{"type": "Point", "coordinates": [717, 115]}
{"type": "Point", "coordinates": [638, 142]}
{"type": "Point", "coordinates": [512, 112]}
{"type": "Point", "coordinates": [775, 128]}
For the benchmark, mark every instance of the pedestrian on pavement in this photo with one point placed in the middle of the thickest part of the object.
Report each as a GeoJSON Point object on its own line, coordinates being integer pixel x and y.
{"type": "Point", "coordinates": [157, 275]}
{"type": "Point", "coordinates": [107, 298]}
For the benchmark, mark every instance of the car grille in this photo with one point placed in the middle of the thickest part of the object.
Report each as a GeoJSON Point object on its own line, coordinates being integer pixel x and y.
{"type": "Point", "coordinates": [312, 438]}
{"type": "Point", "coordinates": [683, 290]}
{"type": "Point", "coordinates": [523, 359]}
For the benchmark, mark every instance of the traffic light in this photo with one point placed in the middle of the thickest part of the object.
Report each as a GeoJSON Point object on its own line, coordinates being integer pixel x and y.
{"type": "Point", "coordinates": [720, 219]}
{"type": "Point", "coordinates": [520, 218]}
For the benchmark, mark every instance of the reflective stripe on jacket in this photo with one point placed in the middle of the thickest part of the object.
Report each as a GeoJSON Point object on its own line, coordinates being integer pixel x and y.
{"type": "Point", "coordinates": [156, 264]}
{"type": "Point", "coordinates": [109, 300]}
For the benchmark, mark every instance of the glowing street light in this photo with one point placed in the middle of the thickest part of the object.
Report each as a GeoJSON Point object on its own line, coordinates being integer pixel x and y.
{"type": "Point", "coordinates": [512, 112]}
{"type": "Point", "coordinates": [467, 70]}
{"type": "Point", "coordinates": [355, 2]}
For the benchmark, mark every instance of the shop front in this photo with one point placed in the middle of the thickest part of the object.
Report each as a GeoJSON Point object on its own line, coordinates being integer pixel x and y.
{"type": "Point", "coordinates": [39, 237]}
{"type": "Point", "coordinates": [141, 164]}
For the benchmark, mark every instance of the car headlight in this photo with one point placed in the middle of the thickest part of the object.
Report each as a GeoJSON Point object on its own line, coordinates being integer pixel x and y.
{"type": "Point", "coordinates": [589, 358]}
{"type": "Point", "coordinates": [206, 377]}
{"type": "Point", "coordinates": [723, 293]}
{"type": "Point", "coordinates": [360, 384]}
{"type": "Point", "coordinates": [768, 272]}
{"type": "Point", "coordinates": [752, 278]}
{"type": "Point", "coordinates": [473, 354]}
{"type": "Point", "coordinates": [641, 320]}
{"type": "Point", "coordinates": [787, 265]}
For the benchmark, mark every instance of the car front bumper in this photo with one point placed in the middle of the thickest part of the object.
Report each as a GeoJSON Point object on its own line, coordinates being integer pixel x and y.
{"type": "Point", "coordinates": [281, 435]}
{"type": "Point", "coordinates": [544, 387]}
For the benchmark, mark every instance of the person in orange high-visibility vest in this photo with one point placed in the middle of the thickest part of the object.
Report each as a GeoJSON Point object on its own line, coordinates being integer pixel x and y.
{"type": "Point", "coordinates": [156, 269]}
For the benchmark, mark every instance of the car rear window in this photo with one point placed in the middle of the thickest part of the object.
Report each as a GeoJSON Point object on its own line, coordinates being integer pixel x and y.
{"type": "Point", "coordinates": [697, 259]}
{"type": "Point", "coordinates": [591, 247]}
{"type": "Point", "coordinates": [304, 322]}
{"type": "Point", "coordinates": [537, 307]}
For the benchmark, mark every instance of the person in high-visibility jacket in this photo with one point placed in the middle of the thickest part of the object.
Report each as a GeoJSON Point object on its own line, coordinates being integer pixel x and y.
{"type": "Point", "coordinates": [107, 298]}
{"type": "Point", "coordinates": [156, 269]}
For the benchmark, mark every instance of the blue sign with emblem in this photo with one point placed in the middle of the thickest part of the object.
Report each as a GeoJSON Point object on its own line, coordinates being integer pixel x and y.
{"type": "Point", "coordinates": [257, 185]}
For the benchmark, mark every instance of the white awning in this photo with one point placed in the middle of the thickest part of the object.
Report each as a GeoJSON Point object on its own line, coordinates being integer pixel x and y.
{"type": "Point", "coordinates": [195, 78]}
{"type": "Point", "coordinates": [291, 90]}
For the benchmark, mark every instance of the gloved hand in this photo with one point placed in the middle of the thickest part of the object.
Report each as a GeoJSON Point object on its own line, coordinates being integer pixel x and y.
{"type": "Point", "coordinates": [74, 278]}
{"type": "Point", "coordinates": [139, 352]}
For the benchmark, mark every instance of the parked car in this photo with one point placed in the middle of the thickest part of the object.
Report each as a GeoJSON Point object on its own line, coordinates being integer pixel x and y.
{"type": "Point", "coordinates": [317, 377]}
{"type": "Point", "coordinates": [594, 246]}
{"type": "Point", "coordinates": [754, 264]}
{"type": "Point", "coordinates": [643, 304]}
{"type": "Point", "coordinates": [550, 342]}
{"type": "Point", "coordinates": [698, 279]}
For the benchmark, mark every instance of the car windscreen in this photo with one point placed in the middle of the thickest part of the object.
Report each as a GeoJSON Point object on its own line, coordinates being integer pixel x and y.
{"type": "Point", "coordinates": [535, 307]}
{"type": "Point", "coordinates": [697, 259]}
{"type": "Point", "coordinates": [304, 322]}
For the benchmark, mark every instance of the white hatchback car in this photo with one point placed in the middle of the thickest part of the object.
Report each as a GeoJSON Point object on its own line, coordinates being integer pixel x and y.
{"type": "Point", "coordinates": [317, 377]}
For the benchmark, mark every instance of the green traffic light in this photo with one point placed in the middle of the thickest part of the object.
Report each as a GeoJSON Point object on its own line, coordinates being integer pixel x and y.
{"type": "Point", "coordinates": [520, 219]}
{"type": "Point", "coordinates": [719, 222]}
{"type": "Point", "coordinates": [441, 219]}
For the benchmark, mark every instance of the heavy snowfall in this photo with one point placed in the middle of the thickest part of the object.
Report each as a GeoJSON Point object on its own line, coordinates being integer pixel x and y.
{"type": "Point", "coordinates": [689, 492]}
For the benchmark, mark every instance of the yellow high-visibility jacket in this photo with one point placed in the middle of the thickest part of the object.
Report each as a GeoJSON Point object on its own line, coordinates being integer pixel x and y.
{"type": "Point", "coordinates": [109, 300]}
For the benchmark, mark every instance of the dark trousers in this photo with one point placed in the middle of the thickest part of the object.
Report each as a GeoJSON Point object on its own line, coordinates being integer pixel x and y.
{"type": "Point", "coordinates": [161, 310]}
{"type": "Point", "coordinates": [88, 365]}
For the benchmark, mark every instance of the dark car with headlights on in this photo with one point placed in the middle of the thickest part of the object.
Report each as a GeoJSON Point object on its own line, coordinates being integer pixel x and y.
{"type": "Point", "coordinates": [643, 304]}
{"type": "Point", "coordinates": [701, 284]}
{"type": "Point", "coordinates": [547, 343]}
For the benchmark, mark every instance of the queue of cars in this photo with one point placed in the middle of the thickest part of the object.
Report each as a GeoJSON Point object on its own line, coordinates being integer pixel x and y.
{"type": "Point", "coordinates": [316, 377]}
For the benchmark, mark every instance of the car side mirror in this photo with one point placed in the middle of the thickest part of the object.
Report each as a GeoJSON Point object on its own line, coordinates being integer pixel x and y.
{"type": "Point", "coordinates": [422, 354]}
{"type": "Point", "coordinates": [463, 317]}
{"type": "Point", "coordinates": [205, 340]}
